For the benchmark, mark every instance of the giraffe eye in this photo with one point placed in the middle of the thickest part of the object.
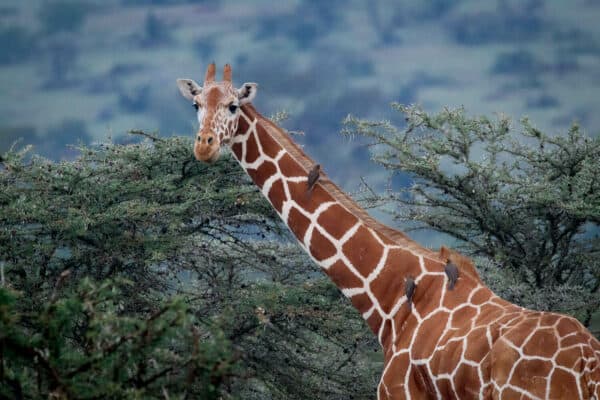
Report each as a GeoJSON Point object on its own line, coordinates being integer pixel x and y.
{"type": "Point", "coordinates": [196, 106]}
{"type": "Point", "coordinates": [233, 108]}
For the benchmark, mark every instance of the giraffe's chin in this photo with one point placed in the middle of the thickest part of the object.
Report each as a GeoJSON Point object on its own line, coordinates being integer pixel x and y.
{"type": "Point", "coordinates": [206, 154]}
{"type": "Point", "coordinates": [210, 159]}
{"type": "Point", "coordinates": [214, 157]}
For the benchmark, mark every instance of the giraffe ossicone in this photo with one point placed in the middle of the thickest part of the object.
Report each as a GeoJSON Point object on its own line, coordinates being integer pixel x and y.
{"type": "Point", "coordinates": [455, 339]}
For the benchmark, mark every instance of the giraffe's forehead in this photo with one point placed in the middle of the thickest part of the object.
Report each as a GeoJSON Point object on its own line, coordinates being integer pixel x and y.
{"type": "Point", "coordinates": [219, 93]}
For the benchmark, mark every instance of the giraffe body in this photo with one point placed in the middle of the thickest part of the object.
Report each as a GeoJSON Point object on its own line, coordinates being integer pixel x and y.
{"type": "Point", "coordinates": [465, 343]}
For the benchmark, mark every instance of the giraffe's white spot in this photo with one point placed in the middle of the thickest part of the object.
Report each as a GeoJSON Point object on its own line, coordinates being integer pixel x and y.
{"type": "Point", "coordinates": [350, 292]}
{"type": "Point", "coordinates": [367, 314]}
{"type": "Point", "coordinates": [379, 266]}
{"type": "Point", "coordinates": [200, 116]}
{"type": "Point", "coordinates": [267, 185]}
{"type": "Point", "coordinates": [296, 179]}
{"type": "Point", "coordinates": [328, 262]}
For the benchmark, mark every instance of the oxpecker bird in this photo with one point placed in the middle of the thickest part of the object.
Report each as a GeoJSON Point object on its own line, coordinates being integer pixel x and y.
{"type": "Point", "coordinates": [409, 289]}
{"type": "Point", "coordinates": [313, 177]}
{"type": "Point", "coordinates": [452, 274]}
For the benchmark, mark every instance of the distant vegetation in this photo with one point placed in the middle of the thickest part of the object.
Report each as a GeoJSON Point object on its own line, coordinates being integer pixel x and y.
{"type": "Point", "coordinates": [514, 21]}
{"type": "Point", "coordinates": [155, 32]}
{"type": "Point", "coordinates": [63, 16]}
{"type": "Point", "coordinates": [159, 2]}
{"type": "Point", "coordinates": [519, 62]}
{"type": "Point", "coordinates": [17, 45]}
{"type": "Point", "coordinates": [117, 59]}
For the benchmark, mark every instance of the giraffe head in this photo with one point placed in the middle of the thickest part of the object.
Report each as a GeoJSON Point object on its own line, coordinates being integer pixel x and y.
{"type": "Point", "coordinates": [218, 107]}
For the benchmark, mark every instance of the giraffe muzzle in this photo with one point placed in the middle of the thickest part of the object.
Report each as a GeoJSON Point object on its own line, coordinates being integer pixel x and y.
{"type": "Point", "coordinates": [207, 147]}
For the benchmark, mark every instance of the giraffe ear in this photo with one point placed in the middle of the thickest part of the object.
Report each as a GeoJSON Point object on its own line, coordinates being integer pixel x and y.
{"type": "Point", "coordinates": [188, 88]}
{"type": "Point", "coordinates": [247, 92]}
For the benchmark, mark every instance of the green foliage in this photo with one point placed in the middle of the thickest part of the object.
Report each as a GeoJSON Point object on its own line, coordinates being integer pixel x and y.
{"type": "Point", "coordinates": [83, 346]}
{"type": "Point", "coordinates": [527, 200]}
{"type": "Point", "coordinates": [92, 249]}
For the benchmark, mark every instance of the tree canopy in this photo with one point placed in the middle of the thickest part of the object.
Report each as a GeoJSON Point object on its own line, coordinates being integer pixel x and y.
{"type": "Point", "coordinates": [527, 201]}
{"type": "Point", "coordinates": [135, 271]}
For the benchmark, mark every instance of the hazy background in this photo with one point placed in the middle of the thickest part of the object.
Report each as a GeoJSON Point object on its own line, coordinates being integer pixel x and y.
{"type": "Point", "coordinates": [90, 70]}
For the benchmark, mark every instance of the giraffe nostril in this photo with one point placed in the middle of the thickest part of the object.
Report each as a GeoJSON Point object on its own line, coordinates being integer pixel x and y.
{"type": "Point", "coordinates": [210, 140]}
{"type": "Point", "coordinates": [199, 138]}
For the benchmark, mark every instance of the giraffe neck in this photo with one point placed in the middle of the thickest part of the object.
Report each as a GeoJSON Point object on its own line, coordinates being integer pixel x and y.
{"type": "Point", "coordinates": [368, 261]}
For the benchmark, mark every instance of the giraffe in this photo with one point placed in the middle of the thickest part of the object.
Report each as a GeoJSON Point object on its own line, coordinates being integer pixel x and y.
{"type": "Point", "coordinates": [444, 333]}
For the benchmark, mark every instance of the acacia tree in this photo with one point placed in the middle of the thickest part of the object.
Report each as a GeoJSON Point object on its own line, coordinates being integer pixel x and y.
{"type": "Point", "coordinates": [135, 271]}
{"type": "Point", "coordinates": [526, 200]}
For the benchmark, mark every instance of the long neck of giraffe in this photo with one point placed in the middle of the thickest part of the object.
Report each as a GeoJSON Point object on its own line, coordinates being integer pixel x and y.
{"type": "Point", "coordinates": [368, 261]}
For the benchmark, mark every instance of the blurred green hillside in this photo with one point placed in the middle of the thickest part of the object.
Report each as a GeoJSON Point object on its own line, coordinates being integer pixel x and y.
{"type": "Point", "coordinates": [84, 70]}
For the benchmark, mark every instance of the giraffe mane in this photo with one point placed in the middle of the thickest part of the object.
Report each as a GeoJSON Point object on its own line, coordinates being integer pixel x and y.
{"type": "Point", "coordinates": [464, 263]}
{"type": "Point", "coordinates": [279, 135]}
